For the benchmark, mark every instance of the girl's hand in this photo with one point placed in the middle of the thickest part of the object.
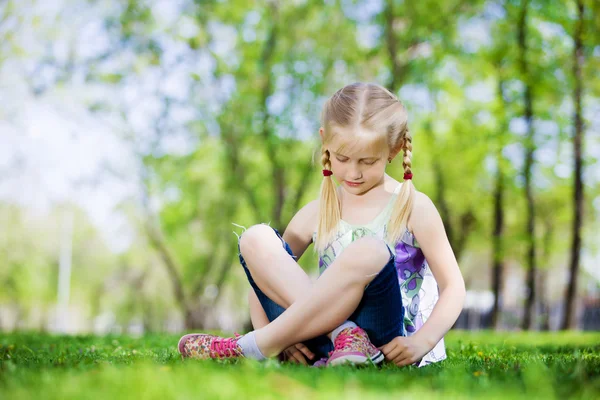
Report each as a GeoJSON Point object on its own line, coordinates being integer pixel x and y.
{"type": "Point", "coordinates": [404, 351]}
{"type": "Point", "coordinates": [297, 354]}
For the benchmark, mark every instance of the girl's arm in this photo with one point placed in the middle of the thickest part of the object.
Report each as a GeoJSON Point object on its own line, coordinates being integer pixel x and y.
{"type": "Point", "coordinates": [426, 224]}
{"type": "Point", "coordinates": [299, 231]}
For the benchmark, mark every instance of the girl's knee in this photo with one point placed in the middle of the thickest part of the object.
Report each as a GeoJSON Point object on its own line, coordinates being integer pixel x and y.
{"type": "Point", "coordinates": [255, 237]}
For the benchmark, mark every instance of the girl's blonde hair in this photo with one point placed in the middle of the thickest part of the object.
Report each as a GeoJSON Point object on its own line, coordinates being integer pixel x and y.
{"type": "Point", "coordinates": [372, 108]}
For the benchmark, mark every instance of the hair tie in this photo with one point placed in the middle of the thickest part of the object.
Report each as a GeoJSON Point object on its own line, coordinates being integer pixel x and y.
{"type": "Point", "coordinates": [327, 172]}
{"type": "Point", "coordinates": [407, 176]}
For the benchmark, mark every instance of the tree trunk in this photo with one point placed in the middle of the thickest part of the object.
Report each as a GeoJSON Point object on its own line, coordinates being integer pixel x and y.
{"type": "Point", "coordinates": [568, 321]}
{"type": "Point", "coordinates": [392, 48]}
{"type": "Point", "coordinates": [544, 307]}
{"type": "Point", "coordinates": [543, 276]}
{"type": "Point", "coordinates": [529, 150]}
{"type": "Point", "coordinates": [498, 218]}
{"type": "Point", "coordinates": [170, 266]}
{"type": "Point", "coordinates": [195, 317]}
{"type": "Point", "coordinates": [498, 254]}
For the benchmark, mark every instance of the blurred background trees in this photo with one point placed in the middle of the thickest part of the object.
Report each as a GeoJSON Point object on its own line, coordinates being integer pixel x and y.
{"type": "Point", "coordinates": [162, 128]}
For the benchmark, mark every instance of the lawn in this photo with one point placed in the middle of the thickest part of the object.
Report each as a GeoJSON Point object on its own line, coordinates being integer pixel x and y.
{"type": "Point", "coordinates": [480, 365]}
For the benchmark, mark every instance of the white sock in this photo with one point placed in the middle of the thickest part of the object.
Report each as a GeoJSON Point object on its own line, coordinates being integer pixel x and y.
{"type": "Point", "coordinates": [249, 347]}
{"type": "Point", "coordinates": [336, 331]}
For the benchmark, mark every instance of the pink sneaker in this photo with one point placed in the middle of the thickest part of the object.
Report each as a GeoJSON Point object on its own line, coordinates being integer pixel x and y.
{"type": "Point", "coordinates": [352, 345]}
{"type": "Point", "coordinates": [203, 346]}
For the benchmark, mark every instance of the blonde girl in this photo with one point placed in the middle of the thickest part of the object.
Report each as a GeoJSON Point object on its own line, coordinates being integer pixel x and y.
{"type": "Point", "coordinates": [389, 285]}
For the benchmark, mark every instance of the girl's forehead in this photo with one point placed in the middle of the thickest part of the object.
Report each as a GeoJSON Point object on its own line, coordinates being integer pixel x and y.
{"type": "Point", "coordinates": [363, 144]}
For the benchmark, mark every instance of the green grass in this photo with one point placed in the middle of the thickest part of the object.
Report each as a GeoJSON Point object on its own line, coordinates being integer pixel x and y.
{"type": "Point", "coordinates": [480, 365]}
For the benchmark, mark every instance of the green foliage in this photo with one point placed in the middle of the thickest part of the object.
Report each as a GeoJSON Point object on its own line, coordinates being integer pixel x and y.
{"type": "Point", "coordinates": [248, 157]}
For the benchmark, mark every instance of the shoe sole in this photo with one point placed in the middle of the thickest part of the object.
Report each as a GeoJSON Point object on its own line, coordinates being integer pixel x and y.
{"type": "Point", "coordinates": [356, 359]}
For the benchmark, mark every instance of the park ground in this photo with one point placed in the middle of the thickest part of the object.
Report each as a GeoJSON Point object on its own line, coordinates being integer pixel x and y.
{"type": "Point", "coordinates": [490, 365]}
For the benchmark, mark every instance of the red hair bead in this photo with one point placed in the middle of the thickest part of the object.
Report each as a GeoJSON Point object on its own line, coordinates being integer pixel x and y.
{"type": "Point", "coordinates": [327, 172]}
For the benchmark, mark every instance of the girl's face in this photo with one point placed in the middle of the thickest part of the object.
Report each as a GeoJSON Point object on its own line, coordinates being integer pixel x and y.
{"type": "Point", "coordinates": [357, 164]}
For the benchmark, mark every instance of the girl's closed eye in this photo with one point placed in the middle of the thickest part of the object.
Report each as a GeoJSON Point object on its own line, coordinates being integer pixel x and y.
{"type": "Point", "coordinates": [341, 159]}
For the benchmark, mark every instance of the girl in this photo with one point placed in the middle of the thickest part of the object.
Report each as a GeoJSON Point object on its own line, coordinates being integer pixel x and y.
{"type": "Point", "coordinates": [383, 253]}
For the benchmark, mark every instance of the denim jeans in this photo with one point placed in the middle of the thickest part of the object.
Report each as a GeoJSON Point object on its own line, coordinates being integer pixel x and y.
{"type": "Point", "coordinates": [379, 313]}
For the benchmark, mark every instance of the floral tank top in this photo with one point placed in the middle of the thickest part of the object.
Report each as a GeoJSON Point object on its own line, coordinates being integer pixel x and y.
{"type": "Point", "coordinates": [417, 285]}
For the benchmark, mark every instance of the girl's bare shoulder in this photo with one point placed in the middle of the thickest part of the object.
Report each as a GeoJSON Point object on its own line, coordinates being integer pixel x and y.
{"type": "Point", "coordinates": [424, 214]}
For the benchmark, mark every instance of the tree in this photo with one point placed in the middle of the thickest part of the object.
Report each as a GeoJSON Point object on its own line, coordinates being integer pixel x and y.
{"type": "Point", "coordinates": [498, 215]}
{"type": "Point", "coordinates": [568, 321]}
{"type": "Point", "coordinates": [529, 145]}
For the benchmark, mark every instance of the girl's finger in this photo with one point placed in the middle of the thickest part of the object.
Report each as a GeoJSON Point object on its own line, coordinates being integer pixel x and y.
{"type": "Point", "coordinates": [300, 357]}
{"type": "Point", "coordinates": [394, 353]}
{"type": "Point", "coordinates": [386, 348]}
{"type": "Point", "coordinates": [287, 356]}
{"type": "Point", "coordinates": [403, 360]}
{"type": "Point", "coordinates": [305, 350]}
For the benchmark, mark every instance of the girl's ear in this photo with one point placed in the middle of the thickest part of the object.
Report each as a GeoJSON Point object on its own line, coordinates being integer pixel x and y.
{"type": "Point", "coordinates": [321, 133]}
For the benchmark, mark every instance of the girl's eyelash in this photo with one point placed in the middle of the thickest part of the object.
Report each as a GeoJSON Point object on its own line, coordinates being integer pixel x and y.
{"type": "Point", "coordinates": [364, 162]}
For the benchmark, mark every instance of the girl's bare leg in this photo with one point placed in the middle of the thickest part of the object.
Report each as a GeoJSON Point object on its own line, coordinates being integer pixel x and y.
{"type": "Point", "coordinates": [322, 307]}
{"type": "Point", "coordinates": [272, 268]}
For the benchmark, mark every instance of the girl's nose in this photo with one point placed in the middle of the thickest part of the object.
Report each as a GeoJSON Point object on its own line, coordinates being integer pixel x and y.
{"type": "Point", "coordinates": [355, 173]}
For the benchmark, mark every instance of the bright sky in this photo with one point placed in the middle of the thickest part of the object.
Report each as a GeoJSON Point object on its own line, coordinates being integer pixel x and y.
{"type": "Point", "coordinates": [56, 151]}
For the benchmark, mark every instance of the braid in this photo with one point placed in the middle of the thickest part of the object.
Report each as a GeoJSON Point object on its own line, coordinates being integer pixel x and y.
{"type": "Point", "coordinates": [405, 199]}
{"type": "Point", "coordinates": [407, 149]}
{"type": "Point", "coordinates": [325, 161]}
{"type": "Point", "coordinates": [329, 208]}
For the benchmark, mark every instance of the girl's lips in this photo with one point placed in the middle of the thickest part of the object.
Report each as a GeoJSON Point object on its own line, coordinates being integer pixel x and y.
{"type": "Point", "coordinates": [353, 183]}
